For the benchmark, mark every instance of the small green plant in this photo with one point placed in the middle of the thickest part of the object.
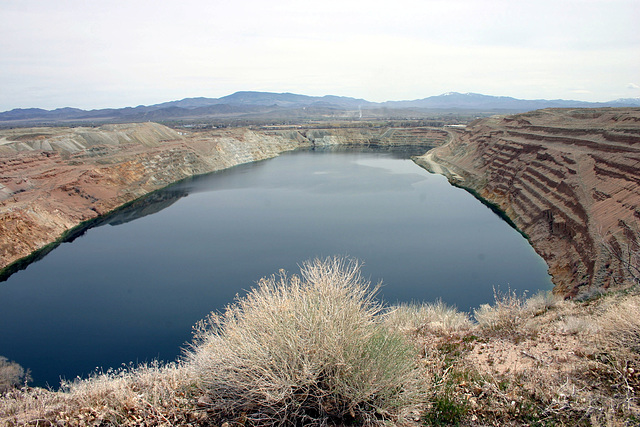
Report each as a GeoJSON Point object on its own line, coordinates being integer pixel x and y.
{"type": "Point", "coordinates": [451, 351]}
{"type": "Point", "coordinates": [445, 410]}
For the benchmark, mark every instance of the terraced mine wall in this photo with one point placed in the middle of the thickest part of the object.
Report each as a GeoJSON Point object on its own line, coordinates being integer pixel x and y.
{"type": "Point", "coordinates": [567, 178]}
{"type": "Point", "coordinates": [53, 180]}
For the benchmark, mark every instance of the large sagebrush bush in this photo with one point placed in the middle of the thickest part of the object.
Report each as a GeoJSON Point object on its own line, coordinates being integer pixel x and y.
{"type": "Point", "coordinates": [308, 349]}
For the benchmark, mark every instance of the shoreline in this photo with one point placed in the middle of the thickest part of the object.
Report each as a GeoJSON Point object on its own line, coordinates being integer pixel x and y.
{"type": "Point", "coordinates": [567, 183]}
{"type": "Point", "coordinates": [428, 163]}
{"type": "Point", "coordinates": [63, 193]}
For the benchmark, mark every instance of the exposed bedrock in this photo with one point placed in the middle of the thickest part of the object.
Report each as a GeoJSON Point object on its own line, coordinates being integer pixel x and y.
{"type": "Point", "coordinates": [567, 178]}
{"type": "Point", "coordinates": [53, 179]}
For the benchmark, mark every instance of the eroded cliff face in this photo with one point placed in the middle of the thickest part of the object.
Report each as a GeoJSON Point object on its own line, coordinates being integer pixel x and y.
{"type": "Point", "coordinates": [53, 179]}
{"type": "Point", "coordinates": [567, 178]}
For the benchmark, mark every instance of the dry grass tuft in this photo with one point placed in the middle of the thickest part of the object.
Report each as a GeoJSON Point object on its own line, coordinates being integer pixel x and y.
{"type": "Point", "coordinates": [152, 395]}
{"type": "Point", "coordinates": [504, 316]}
{"type": "Point", "coordinates": [435, 317]}
{"type": "Point", "coordinates": [620, 330]}
{"type": "Point", "coordinates": [540, 303]}
{"type": "Point", "coordinates": [306, 350]}
{"type": "Point", "coordinates": [618, 344]}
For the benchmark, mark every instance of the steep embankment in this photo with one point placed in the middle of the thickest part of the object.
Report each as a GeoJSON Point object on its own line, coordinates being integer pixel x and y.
{"type": "Point", "coordinates": [567, 178]}
{"type": "Point", "coordinates": [53, 179]}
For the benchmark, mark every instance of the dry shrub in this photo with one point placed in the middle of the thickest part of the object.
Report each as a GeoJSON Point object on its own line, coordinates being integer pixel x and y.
{"type": "Point", "coordinates": [150, 392]}
{"type": "Point", "coordinates": [577, 325]}
{"type": "Point", "coordinates": [435, 317]}
{"type": "Point", "coordinates": [620, 329]}
{"type": "Point", "coordinates": [540, 303]}
{"type": "Point", "coordinates": [306, 350]}
{"type": "Point", "coordinates": [505, 316]}
{"type": "Point", "coordinates": [145, 395]}
{"type": "Point", "coordinates": [317, 349]}
{"type": "Point", "coordinates": [11, 375]}
{"type": "Point", "coordinates": [619, 343]}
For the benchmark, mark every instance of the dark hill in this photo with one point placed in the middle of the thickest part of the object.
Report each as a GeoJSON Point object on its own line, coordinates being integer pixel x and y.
{"type": "Point", "coordinates": [255, 105]}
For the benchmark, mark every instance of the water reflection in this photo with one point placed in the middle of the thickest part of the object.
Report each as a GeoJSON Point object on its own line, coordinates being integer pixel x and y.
{"type": "Point", "coordinates": [148, 205]}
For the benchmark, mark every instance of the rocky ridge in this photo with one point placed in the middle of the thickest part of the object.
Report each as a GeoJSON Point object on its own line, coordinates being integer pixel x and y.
{"type": "Point", "coordinates": [568, 179]}
{"type": "Point", "coordinates": [53, 179]}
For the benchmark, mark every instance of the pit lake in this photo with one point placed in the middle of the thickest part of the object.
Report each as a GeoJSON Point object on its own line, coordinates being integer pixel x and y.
{"type": "Point", "coordinates": [130, 288]}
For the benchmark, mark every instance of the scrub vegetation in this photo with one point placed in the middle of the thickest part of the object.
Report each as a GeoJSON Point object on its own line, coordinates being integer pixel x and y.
{"type": "Point", "coordinates": [11, 375]}
{"type": "Point", "coordinates": [316, 348]}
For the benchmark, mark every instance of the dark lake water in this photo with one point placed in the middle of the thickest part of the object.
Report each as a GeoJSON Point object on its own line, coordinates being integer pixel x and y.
{"type": "Point", "coordinates": [131, 291]}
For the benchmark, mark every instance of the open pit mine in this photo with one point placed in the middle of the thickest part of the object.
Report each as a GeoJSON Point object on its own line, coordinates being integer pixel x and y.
{"type": "Point", "coordinates": [568, 179]}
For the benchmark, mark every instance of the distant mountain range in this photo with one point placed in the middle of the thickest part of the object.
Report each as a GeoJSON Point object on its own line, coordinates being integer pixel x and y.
{"type": "Point", "coordinates": [268, 104]}
{"type": "Point", "coordinates": [476, 101]}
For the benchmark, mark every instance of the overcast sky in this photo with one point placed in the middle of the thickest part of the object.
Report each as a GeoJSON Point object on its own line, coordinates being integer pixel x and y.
{"type": "Point", "coordinates": [112, 53]}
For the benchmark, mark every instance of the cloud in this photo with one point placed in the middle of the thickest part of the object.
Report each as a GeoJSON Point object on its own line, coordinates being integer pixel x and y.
{"type": "Point", "coordinates": [122, 52]}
